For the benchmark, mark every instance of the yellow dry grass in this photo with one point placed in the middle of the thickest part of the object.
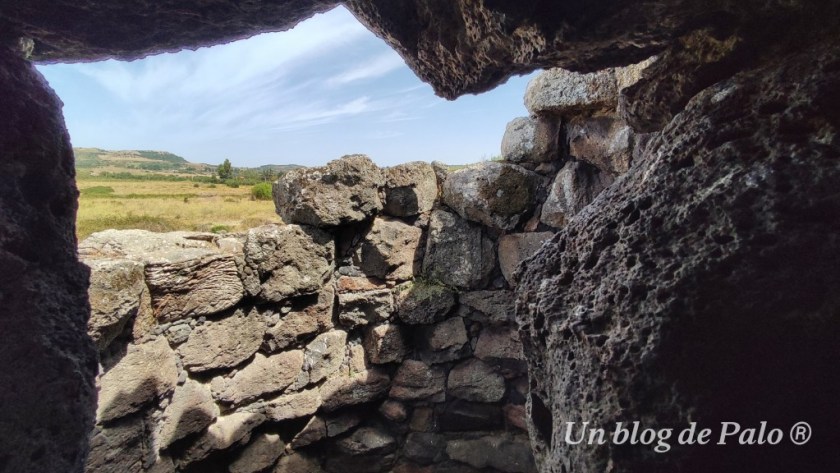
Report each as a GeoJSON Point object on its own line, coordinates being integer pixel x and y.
{"type": "Point", "coordinates": [168, 206]}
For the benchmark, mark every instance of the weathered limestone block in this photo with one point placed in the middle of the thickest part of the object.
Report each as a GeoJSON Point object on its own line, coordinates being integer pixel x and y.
{"type": "Point", "coordinates": [117, 448]}
{"type": "Point", "coordinates": [191, 410]}
{"type": "Point", "coordinates": [410, 189]}
{"type": "Point", "coordinates": [385, 344]}
{"type": "Point", "coordinates": [516, 248]}
{"type": "Point", "coordinates": [314, 431]}
{"type": "Point", "coordinates": [420, 302]}
{"type": "Point", "coordinates": [315, 317]}
{"type": "Point", "coordinates": [475, 380]}
{"type": "Point", "coordinates": [263, 375]}
{"type": "Point", "coordinates": [566, 93]}
{"type": "Point", "coordinates": [227, 431]}
{"type": "Point", "coordinates": [531, 140]}
{"type": "Point", "coordinates": [417, 381]}
{"type": "Point", "coordinates": [291, 405]}
{"type": "Point", "coordinates": [342, 192]}
{"type": "Point", "coordinates": [495, 194]}
{"type": "Point", "coordinates": [369, 304]}
{"type": "Point", "coordinates": [147, 247]}
{"type": "Point", "coordinates": [288, 260]}
{"type": "Point", "coordinates": [260, 454]}
{"type": "Point", "coordinates": [342, 423]}
{"type": "Point", "coordinates": [494, 307]}
{"type": "Point", "coordinates": [359, 388]}
{"type": "Point", "coordinates": [146, 373]}
{"type": "Point", "coordinates": [499, 345]}
{"type": "Point", "coordinates": [701, 280]}
{"type": "Point", "coordinates": [510, 454]}
{"type": "Point", "coordinates": [193, 287]}
{"type": "Point", "coordinates": [49, 363]}
{"type": "Point", "coordinates": [223, 343]}
{"type": "Point", "coordinates": [390, 250]}
{"type": "Point", "coordinates": [444, 341]}
{"type": "Point", "coordinates": [575, 186]}
{"type": "Point", "coordinates": [604, 142]}
{"type": "Point", "coordinates": [457, 252]}
{"type": "Point", "coordinates": [325, 354]}
{"type": "Point", "coordinates": [115, 291]}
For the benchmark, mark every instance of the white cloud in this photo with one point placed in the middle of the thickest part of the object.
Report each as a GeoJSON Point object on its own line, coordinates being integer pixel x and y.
{"type": "Point", "coordinates": [376, 67]}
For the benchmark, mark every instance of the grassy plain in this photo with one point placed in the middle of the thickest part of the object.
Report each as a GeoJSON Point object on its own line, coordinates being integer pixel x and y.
{"type": "Point", "coordinates": [163, 206]}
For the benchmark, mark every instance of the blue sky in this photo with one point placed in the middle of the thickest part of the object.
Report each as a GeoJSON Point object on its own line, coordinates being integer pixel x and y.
{"type": "Point", "coordinates": [306, 96]}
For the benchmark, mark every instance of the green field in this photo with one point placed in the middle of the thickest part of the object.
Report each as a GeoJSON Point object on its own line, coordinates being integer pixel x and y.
{"type": "Point", "coordinates": [128, 189]}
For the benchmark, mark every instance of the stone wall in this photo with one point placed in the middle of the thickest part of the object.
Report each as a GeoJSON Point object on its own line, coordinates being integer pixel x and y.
{"type": "Point", "coordinates": [372, 332]}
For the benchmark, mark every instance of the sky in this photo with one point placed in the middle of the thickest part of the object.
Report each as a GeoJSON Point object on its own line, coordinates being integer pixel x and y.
{"type": "Point", "coordinates": [306, 96]}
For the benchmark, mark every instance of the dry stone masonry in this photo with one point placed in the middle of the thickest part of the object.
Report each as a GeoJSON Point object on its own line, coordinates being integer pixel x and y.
{"type": "Point", "coordinates": [374, 331]}
{"type": "Point", "coordinates": [699, 284]}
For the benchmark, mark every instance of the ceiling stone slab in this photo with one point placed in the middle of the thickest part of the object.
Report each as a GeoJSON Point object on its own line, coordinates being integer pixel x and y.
{"type": "Point", "coordinates": [90, 30]}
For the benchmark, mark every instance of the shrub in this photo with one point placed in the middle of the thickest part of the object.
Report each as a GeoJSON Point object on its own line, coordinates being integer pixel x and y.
{"type": "Point", "coordinates": [97, 191]}
{"type": "Point", "coordinates": [261, 191]}
{"type": "Point", "coordinates": [220, 229]}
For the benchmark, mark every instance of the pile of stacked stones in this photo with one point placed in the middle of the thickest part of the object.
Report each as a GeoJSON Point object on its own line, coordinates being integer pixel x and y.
{"type": "Point", "coordinates": [371, 332]}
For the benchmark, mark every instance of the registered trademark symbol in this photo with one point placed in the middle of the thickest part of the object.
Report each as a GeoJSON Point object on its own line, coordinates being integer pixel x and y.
{"type": "Point", "coordinates": [800, 433]}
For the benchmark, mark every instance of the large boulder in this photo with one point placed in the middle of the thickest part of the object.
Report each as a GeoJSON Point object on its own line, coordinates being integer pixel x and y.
{"type": "Point", "coordinates": [115, 290]}
{"type": "Point", "coordinates": [288, 260]}
{"type": "Point", "coordinates": [566, 93]}
{"type": "Point", "coordinates": [604, 142]}
{"type": "Point", "coordinates": [574, 187]}
{"type": "Point", "coordinates": [495, 194]}
{"type": "Point", "coordinates": [516, 248]}
{"type": "Point", "coordinates": [146, 373]}
{"type": "Point", "coordinates": [457, 252]}
{"type": "Point", "coordinates": [421, 302]}
{"type": "Point", "coordinates": [223, 343]}
{"type": "Point", "coordinates": [190, 411]}
{"type": "Point", "coordinates": [531, 140]}
{"type": "Point", "coordinates": [263, 375]}
{"type": "Point", "coordinates": [390, 250]}
{"type": "Point", "coordinates": [410, 189]}
{"type": "Point", "coordinates": [342, 192]}
{"type": "Point", "coordinates": [701, 286]}
{"type": "Point", "coordinates": [193, 287]}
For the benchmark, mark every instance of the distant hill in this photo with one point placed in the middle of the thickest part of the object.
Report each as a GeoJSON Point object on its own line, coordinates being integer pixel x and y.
{"type": "Point", "coordinates": [95, 161]}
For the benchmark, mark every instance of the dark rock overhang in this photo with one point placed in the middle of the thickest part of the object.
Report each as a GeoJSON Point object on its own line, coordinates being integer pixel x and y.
{"type": "Point", "coordinates": [457, 46]}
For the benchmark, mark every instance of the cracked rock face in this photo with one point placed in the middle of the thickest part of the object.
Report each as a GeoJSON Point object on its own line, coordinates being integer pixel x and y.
{"type": "Point", "coordinates": [700, 286]}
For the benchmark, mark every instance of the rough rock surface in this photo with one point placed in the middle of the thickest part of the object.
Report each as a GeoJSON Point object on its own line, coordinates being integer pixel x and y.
{"type": "Point", "coordinates": [714, 258]}
{"type": "Point", "coordinates": [410, 189]}
{"type": "Point", "coordinates": [516, 248]}
{"type": "Point", "coordinates": [49, 363]}
{"type": "Point", "coordinates": [423, 303]}
{"type": "Point", "coordinates": [115, 288]}
{"type": "Point", "coordinates": [288, 260]}
{"type": "Point", "coordinates": [417, 380]}
{"type": "Point", "coordinates": [531, 140]}
{"type": "Point", "coordinates": [457, 252]}
{"type": "Point", "coordinates": [358, 388]}
{"type": "Point", "coordinates": [260, 454]}
{"type": "Point", "coordinates": [314, 318]}
{"type": "Point", "coordinates": [475, 380]}
{"type": "Point", "coordinates": [344, 191]}
{"type": "Point", "coordinates": [193, 287]}
{"type": "Point", "coordinates": [495, 194]}
{"type": "Point", "coordinates": [562, 92]}
{"type": "Point", "coordinates": [511, 455]}
{"type": "Point", "coordinates": [225, 342]}
{"type": "Point", "coordinates": [190, 411]}
{"type": "Point", "coordinates": [146, 373]}
{"type": "Point", "coordinates": [390, 250]}
{"type": "Point", "coordinates": [264, 375]}
{"type": "Point", "coordinates": [575, 186]}
{"type": "Point", "coordinates": [225, 432]}
{"type": "Point", "coordinates": [604, 142]}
